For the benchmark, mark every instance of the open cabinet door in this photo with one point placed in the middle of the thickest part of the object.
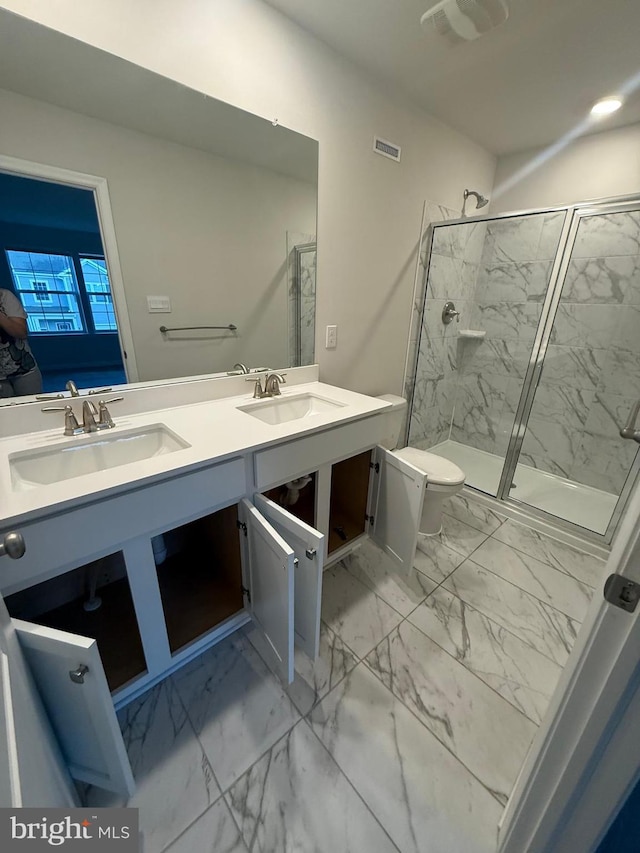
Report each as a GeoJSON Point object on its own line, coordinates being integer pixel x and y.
{"type": "Point", "coordinates": [396, 507]}
{"type": "Point", "coordinates": [270, 564]}
{"type": "Point", "coordinates": [70, 678]}
{"type": "Point", "coordinates": [308, 545]}
{"type": "Point", "coordinates": [33, 772]}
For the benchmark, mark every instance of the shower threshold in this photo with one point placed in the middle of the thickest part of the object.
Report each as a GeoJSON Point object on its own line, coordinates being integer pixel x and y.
{"type": "Point", "coordinates": [582, 505]}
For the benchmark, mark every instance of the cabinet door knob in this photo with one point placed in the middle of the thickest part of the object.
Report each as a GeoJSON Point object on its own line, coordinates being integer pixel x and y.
{"type": "Point", "coordinates": [77, 675]}
{"type": "Point", "coordinates": [310, 552]}
{"type": "Point", "coordinates": [12, 545]}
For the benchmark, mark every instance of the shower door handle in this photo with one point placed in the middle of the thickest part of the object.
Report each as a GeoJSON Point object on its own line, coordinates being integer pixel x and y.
{"type": "Point", "coordinates": [630, 431]}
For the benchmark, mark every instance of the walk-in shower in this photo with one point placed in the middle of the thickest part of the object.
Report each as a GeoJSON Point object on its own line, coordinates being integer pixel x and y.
{"type": "Point", "coordinates": [528, 391]}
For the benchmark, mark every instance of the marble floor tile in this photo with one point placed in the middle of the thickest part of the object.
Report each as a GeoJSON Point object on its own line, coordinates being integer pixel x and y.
{"type": "Point", "coordinates": [214, 832]}
{"type": "Point", "coordinates": [473, 513]}
{"type": "Point", "coordinates": [236, 705]}
{"type": "Point", "coordinates": [295, 799]}
{"type": "Point", "coordinates": [421, 794]}
{"type": "Point", "coordinates": [435, 559]}
{"type": "Point", "coordinates": [543, 627]}
{"type": "Point", "coordinates": [584, 567]}
{"type": "Point", "coordinates": [354, 612]}
{"type": "Point", "coordinates": [174, 779]}
{"type": "Point", "coordinates": [461, 710]}
{"type": "Point", "coordinates": [374, 568]}
{"type": "Point", "coordinates": [540, 579]}
{"type": "Point", "coordinates": [460, 537]}
{"type": "Point", "coordinates": [313, 679]}
{"type": "Point", "coordinates": [515, 670]}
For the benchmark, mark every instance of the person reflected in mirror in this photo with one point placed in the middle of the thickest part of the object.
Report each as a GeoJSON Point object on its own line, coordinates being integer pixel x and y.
{"type": "Point", "coordinates": [19, 373]}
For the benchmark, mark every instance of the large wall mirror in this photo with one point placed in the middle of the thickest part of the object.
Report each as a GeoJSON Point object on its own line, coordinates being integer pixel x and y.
{"type": "Point", "coordinates": [130, 203]}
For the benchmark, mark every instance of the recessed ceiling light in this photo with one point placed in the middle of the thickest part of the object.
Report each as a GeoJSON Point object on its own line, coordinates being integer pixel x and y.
{"type": "Point", "coordinates": [606, 106]}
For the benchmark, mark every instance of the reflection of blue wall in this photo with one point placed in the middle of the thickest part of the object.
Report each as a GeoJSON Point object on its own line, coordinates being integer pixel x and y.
{"type": "Point", "coordinates": [624, 833]}
{"type": "Point", "coordinates": [40, 216]}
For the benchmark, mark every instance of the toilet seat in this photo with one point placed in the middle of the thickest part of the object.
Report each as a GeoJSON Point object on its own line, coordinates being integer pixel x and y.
{"type": "Point", "coordinates": [439, 471]}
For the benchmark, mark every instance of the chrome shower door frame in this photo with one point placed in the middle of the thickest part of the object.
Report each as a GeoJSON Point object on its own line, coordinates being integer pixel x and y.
{"type": "Point", "coordinates": [575, 213]}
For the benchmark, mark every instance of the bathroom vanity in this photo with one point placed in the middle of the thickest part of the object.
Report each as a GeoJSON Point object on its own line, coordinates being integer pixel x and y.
{"type": "Point", "coordinates": [146, 545]}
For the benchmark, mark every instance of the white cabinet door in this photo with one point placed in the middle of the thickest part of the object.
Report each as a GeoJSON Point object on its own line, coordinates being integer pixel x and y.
{"type": "Point", "coordinates": [270, 564]}
{"type": "Point", "coordinates": [396, 506]}
{"type": "Point", "coordinates": [70, 678]}
{"type": "Point", "coordinates": [308, 546]}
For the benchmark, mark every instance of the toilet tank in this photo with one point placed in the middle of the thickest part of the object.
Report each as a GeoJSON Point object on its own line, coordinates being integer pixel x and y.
{"type": "Point", "coordinates": [395, 419]}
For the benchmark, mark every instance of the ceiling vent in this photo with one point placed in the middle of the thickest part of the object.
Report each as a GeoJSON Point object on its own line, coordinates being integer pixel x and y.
{"type": "Point", "coordinates": [465, 20]}
{"type": "Point", "coordinates": [386, 148]}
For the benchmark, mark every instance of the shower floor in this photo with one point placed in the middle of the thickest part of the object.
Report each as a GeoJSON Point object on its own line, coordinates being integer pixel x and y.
{"type": "Point", "coordinates": [582, 505]}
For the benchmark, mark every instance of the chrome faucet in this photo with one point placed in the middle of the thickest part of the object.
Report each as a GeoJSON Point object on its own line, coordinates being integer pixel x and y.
{"type": "Point", "coordinates": [89, 412]}
{"type": "Point", "coordinates": [72, 388]}
{"type": "Point", "coordinates": [272, 384]}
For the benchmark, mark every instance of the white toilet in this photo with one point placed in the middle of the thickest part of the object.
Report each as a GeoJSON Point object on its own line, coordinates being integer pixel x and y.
{"type": "Point", "coordinates": [444, 478]}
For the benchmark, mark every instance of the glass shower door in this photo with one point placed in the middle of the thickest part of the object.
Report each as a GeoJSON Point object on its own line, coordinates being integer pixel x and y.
{"type": "Point", "coordinates": [572, 462]}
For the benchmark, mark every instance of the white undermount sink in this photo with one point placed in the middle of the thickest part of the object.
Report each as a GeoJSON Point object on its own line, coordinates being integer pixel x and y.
{"type": "Point", "coordinates": [280, 410]}
{"type": "Point", "coordinates": [44, 466]}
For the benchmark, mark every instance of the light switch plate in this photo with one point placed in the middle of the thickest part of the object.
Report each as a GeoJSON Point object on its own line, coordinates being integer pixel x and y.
{"type": "Point", "coordinates": [159, 304]}
{"type": "Point", "coordinates": [331, 341]}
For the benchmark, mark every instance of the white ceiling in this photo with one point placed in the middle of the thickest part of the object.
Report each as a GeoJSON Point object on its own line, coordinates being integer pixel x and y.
{"type": "Point", "coordinates": [523, 85]}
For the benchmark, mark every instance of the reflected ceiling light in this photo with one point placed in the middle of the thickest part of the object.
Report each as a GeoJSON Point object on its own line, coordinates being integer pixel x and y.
{"type": "Point", "coordinates": [606, 106]}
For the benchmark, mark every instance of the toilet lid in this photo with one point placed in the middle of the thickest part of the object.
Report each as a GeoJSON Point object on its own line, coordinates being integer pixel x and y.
{"type": "Point", "coordinates": [438, 469]}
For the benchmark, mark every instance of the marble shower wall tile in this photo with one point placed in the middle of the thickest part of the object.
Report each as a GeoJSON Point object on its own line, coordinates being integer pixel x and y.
{"type": "Point", "coordinates": [605, 235]}
{"type": "Point", "coordinates": [575, 367]}
{"type": "Point", "coordinates": [544, 628]}
{"type": "Point", "coordinates": [296, 798]}
{"type": "Point", "coordinates": [519, 673]}
{"type": "Point", "coordinates": [591, 326]}
{"type": "Point", "coordinates": [236, 705]}
{"type": "Point", "coordinates": [507, 320]}
{"type": "Point", "coordinates": [421, 794]}
{"type": "Point", "coordinates": [461, 710]}
{"type": "Point", "coordinates": [584, 567]}
{"type": "Point", "coordinates": [550, 446]}
{"type": "Point", "coordinates": [602, 280]}
{"type": "Point", "coordinates": [604, 463]}
{"type": "Point", "coordinates": [500, 357]}
{"type": "Point", "coordinates": [526, 281]}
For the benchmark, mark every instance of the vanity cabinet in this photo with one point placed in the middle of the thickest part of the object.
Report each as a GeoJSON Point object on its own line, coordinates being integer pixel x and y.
{"type": "Point", "coordinates": [197, 556]}
{"type": "Point", "coordinates": [168, 593]}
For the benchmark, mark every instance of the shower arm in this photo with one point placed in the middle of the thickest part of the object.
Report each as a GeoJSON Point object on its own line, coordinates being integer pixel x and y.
{"type": "Point", "coordinates": [630, 431]}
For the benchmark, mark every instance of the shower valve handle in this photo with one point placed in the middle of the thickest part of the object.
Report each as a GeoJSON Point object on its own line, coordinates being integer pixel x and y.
{"type": "Point", "coordinates": [630, 431]}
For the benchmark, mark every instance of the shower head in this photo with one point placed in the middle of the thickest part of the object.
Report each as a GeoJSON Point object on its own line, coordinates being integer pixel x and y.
{"type": "Point", "coordinates": [481, 201]}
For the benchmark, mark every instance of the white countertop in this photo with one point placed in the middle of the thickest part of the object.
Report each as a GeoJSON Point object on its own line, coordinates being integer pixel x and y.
{"type": "Point", "coordinates": [215, 430]}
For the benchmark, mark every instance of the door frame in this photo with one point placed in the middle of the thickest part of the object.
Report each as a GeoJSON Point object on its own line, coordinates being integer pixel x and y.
{"type": "Point", "coordinates": [99, 187]}
{"type": "Point", "coordinates": [583, 761]}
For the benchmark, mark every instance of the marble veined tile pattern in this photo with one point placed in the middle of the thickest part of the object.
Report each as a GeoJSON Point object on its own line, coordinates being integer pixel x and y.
{"type": "Point", "coordinates": [606, 235]}
{"type": "Point", "coordinates": [214, 832]}
{"type": "Point", "coordinates": [376, 570]}
{"type": "Point", "coordinates": [295, 798]}
{"type": "Point", "coordinates": [556, 588]}
{"type": "Point", "coordinates": [237, 707]}
{"type": "Point", "coordinates": [602, 280]}
{"type": "Point", "coordinates": [543, 627]}
{"type": "Point", "coordinates": [515, 670]}
{"type": "Point", "coordinates": [461, 710]}
{"type": "Point", "coordinates": [353, 611]}
{"type": "Point", "coordinates": [586, 568]}
{"type": "Point", "coordinates": [175, 782]}
{"type": "Point", "coordinates": [312, 679]}
{"type": "Point", "coordinates": [469, 511]}
{"type": "Point", "coordinates": [421, 794]}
